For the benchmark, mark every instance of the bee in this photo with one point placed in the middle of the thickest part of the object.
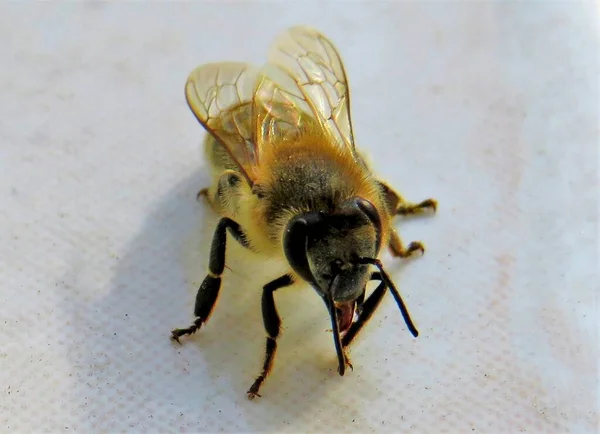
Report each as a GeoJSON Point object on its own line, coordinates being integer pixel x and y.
{"type": "Point", "coordinates": [289, 182]}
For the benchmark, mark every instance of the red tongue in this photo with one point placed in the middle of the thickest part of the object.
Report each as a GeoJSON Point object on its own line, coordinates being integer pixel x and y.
{"type": "Point", "coordinates": [345, 315]}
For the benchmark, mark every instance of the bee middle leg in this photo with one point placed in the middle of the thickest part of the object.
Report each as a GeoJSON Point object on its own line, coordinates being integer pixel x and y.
{"type": "Point", "coordinates": [398, 248]}
{"type": "Point", "coordinates": [208, 292]}
{"type": "Point", "coordinates": [272, 324]}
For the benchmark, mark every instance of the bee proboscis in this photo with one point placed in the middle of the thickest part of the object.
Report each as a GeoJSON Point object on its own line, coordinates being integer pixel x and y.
{"type": "Point", "coordinates": [288, 182]}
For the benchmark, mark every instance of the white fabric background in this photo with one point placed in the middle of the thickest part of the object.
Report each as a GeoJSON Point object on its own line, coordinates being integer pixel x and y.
{"type": "Point", "coordinates": [492, 108]}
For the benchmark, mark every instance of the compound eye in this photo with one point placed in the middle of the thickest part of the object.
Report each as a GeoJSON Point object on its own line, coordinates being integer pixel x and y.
{"type": "Point", "coordinates": [295, 240]}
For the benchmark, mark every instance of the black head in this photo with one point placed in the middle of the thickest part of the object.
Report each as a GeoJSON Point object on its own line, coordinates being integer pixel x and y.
{"type": "Point", "coordinates": [325, 250]}
{"type": "Point", "coordinates": [332, 251]}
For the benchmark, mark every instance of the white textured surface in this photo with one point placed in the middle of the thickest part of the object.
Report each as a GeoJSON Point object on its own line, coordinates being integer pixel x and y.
{"type": "Point", "coordinates": [492, 108]}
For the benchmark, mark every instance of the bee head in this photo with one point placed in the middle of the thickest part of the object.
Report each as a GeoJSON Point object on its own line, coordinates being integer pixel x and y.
{"type": "Point", "coordinates": [325, 250]}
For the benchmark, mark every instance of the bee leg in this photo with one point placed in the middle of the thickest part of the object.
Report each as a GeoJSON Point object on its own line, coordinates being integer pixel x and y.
{"type": "Point", "coordinates": [206, 195]}
{"type": "Point", "coordinates": [366, 310]}
{"type": "Point", "coordinates": [228, 182]}
{"type": "Point", "coordinates": [397, 247]}
{"type": "Point", "coordinates": [203, 194]}
{"type": "Point", "coordinates": [272, 324]}
{"type": "Point", "coordinates": [209, 290]}
{"type": "Point", "coordinates": [407, 208]}
{"type": "Point", "coordinates": [347, 360]}
{"type": "Point", "coordinates": [398, 205]}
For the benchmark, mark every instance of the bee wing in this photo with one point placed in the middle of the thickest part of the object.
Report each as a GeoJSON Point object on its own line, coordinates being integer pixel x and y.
{"type": "Point", "coordinates": [321, 86]}
{"type": "Point", "coordinates": [281, 112]}
{"type": "Point", "coordinates": [220, 95]}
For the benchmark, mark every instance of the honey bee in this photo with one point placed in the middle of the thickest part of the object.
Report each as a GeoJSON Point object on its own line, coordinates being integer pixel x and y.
{"type": "Point", "coordinates": [288, 182]}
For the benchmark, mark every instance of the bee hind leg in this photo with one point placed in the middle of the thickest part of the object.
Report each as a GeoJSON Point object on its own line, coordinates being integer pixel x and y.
{"type": "Point", "coordinates": [397, 205]}
{"type": "Point", "coordinates": [272, 324]}
{"type": "Point", "coordinates": [211, 285]}
{"type": "Point", "coordinates": [407, 208]}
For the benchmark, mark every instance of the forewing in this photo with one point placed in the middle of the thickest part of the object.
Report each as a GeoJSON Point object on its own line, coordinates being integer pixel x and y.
{"type": "Point", "coordinates": [313, 62]}
{"type": "Point", "coordinates": [220, 95]}
{"type": "Point", "coordinates": [281, 112]}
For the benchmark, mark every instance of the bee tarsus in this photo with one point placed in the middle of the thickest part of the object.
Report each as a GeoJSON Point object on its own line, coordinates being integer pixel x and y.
{"type": "Point", "coordinates": [397, 247]}
{"type": "Point", "coordinates": [177, 333]}
{"type": "Point", "coordinates": [253, 394]}
{"type": "Point", "coordinates": [348, 363]}
{"type": "Point", "coordinates": [202, 194]}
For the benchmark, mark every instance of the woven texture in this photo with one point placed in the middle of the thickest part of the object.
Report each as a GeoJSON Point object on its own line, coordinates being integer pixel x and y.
{"type": "Point", "coordinates": [491, 108]}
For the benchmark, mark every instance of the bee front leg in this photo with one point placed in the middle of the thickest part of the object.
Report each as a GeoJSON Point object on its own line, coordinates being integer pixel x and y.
{"type": "Point", "coordinates": [367, 308]}
{"type": "Point", "coordinates": [272, 324]}
{"type": "Point", "coordinates": [209, 290]}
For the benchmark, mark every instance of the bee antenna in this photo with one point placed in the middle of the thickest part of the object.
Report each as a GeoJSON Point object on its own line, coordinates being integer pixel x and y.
{"type": "Point", "coordinates": [394, 291]}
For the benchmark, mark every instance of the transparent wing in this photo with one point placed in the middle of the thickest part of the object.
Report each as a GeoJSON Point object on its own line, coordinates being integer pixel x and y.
{"type": "Point", "coordinates": [281, 112]}
{"type": "Point", "coordinates": [220, 95]}
{"type": "Point", "coordinates": [315, 65]}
